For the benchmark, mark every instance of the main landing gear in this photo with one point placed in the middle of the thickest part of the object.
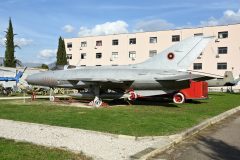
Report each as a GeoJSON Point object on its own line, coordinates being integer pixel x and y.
{"type": "Point", "coordinates": [96, 102]}
{"type": "Point", "coordinates": [178, 98]}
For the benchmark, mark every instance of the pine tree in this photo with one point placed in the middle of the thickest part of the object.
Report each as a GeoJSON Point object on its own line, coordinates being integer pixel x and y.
{"type": "Point", "coordinates": [61, 52]}
{"type": "Point", "coordinates": [10, 47]}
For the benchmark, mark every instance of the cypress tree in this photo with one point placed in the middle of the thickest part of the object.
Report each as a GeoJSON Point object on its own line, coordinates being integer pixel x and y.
{"type": "Point", "coordinates": [61, 52]}
{"type": "Point", "coordinates": [10, 47]}
{"type": "Point", "coordinates": [64, 54]}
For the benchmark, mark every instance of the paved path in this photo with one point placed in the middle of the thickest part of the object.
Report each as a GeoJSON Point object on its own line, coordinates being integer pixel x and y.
{"type": "Point", "coordinates": [221, 141]}
{"type": "Point", "coordinates": [94, 144]}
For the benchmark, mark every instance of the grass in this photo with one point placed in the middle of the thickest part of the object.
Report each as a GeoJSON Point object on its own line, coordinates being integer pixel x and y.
{"type": "Point", "coordinates": [147, 119]}
{"type": "Point", "coordinates": [11, 150]}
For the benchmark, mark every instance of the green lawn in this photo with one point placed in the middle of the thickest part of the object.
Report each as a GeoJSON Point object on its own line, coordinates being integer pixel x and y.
{"type": "Point", "coordinates": [11, 150]}
{"type": "Point", "coordinates": [138, 120]}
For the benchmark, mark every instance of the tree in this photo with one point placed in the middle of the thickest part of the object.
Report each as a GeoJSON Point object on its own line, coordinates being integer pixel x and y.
{"type": "Point", "coordinates": [10, 60]}
{"type": "Point", "coordinates": [44, 66]}
{"type": "Point", "coordinates": [61, 53]}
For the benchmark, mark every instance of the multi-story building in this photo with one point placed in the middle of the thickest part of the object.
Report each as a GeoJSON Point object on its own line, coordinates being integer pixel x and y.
{"type": "Point", "coordinates": [222, 54]}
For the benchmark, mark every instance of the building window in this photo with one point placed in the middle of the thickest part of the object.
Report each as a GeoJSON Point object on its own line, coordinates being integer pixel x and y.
{"type": "Point", "coordinates": [132, 41]}
{"type": "Point", "coordinates": [132, 55]}
{"type": "Point", "coordinates": [114, 55]}
{"type": "Point", "coordinates": [83, 55]}
{"type": "Point", "coordinates": [98, 55]}
{"type": "Point", "coordinates": [84, 44]}
{"type": "Point", "coordinates": [115, 42]}
{"type": "Point", "coordinates": [98, 43]}
{"type": "Point", "coordinates": [222, 50]}
{"type": "Point", "coordinates": [223, 34]}
{"type": "Point", "coordinates": [69, 56]}
{"type": "Point", "coordinates": [198, 34]}
{"type": "Point", "coordinates": [152, 53]}
{"type": "Point", "coordinates": [221, 66]}
{"type": "Point", "coordinates": [69, 45]}
{"type": "Point", "coordinates": [197, 66]}
{"type": "Point", "coordinates": [153, 40]}
{"type": "Point", "coordinates": [175, 38]}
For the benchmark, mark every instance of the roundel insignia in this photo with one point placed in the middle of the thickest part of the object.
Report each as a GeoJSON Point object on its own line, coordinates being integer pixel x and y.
{"type": "Point", "coordinates": [170, 56]}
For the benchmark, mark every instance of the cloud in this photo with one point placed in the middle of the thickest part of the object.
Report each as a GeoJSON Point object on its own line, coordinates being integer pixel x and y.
{"type": "Point", "coordinates": [153, 25]}
{"type": "Point", "coordinates": [21, 42]}
{"type": "Point", "coordinates": [2, 42]}
{"type": "Point", "coordinates": [47, 54]}
{"type": "Point", "coordinates": [116, 27]}
{"type": "Point", "coordinates": [68, 28]}
{"type": "Point", "coordinates": [229, 17]}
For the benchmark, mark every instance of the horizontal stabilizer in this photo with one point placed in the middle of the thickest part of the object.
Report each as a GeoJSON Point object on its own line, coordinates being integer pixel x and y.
{"type": "Point", "coordinates": [178, 78]}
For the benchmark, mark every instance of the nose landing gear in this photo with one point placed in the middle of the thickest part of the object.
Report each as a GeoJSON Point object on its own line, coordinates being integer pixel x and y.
{"type": "Point", "coordinates": [97, 102]}
{"type": "Point", "coordinates": [52, 95]}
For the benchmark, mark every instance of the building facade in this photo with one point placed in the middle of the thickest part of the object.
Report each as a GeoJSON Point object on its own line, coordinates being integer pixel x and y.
{"type": "Point", "coordinates": [222, 54]}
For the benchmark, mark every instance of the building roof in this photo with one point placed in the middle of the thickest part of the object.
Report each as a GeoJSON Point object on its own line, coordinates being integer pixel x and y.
{"type": "Point", "coordinates": [157, 30]}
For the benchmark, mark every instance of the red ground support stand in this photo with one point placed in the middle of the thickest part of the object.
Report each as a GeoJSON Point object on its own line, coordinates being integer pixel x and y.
{"type": "Point", "coordinates": [197, 90]}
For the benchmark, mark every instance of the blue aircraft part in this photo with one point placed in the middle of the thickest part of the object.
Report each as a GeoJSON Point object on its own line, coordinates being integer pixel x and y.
{"type": "Point", "coordinates": [16, 78]}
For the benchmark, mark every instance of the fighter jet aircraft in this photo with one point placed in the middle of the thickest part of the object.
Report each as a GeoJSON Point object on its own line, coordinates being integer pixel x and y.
{"type": "Point", "coordinates": [163, 74]}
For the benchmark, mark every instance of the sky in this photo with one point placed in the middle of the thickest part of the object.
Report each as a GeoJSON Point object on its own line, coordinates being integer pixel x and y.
{"type": "Point", "coordinates": [39, 23]}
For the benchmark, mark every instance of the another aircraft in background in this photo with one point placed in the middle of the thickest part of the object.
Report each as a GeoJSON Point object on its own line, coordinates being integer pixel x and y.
{"type": "Point", "coordinates": [19, 75]}
{"type": "Point", "coordinates": [227, 80]}
{"type": "Point", "coordinates": [163, 74]}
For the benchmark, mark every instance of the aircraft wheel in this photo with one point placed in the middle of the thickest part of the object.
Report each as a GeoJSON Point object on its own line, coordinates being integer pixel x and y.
{"type": "Point", "coordinates": [132, 96]}
{"type": "Point", "coordinates": [97, 102]}
{"type": "Point", "coordinates": [52, 98]}
{"type": "Point", "coordinates": [178, 98]}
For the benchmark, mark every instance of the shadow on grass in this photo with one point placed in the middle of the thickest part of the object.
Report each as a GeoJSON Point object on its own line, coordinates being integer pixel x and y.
{"type": "Point", "coordinates": [190, 101]}
{"type": "Point", "coordinates": [143, 102]}
{"type": "Point", "coordinates": [218, 149]}
{"type": "Point", "coordinates": [160, 102]}
{"type": "Point", "coordinates": [154, 103]}
{"type": "Point", "coordinates": [163, 102]}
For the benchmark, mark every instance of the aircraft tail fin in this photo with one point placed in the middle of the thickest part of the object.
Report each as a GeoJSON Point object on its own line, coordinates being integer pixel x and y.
{"type": "Point", "coordinates": [179, 56]}
{"type": "Point", "coordinates": [228, 76]}
{"type": "Point", "coordinates": [229, 79]}
{"type": "Point", "coordinates": [19, 75]}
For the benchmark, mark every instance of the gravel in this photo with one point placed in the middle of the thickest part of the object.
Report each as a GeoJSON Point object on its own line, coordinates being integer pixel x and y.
{"type": "Point", "coordinates": [94, 144]}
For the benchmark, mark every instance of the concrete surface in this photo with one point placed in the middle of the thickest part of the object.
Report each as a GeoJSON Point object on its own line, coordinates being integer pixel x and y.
{"type": "Point", "coordinates": [177, 138]}
{"type": "Point", "coordinates": [221, 142]}
{"type": "Point", "coordinates": [95, 144]}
